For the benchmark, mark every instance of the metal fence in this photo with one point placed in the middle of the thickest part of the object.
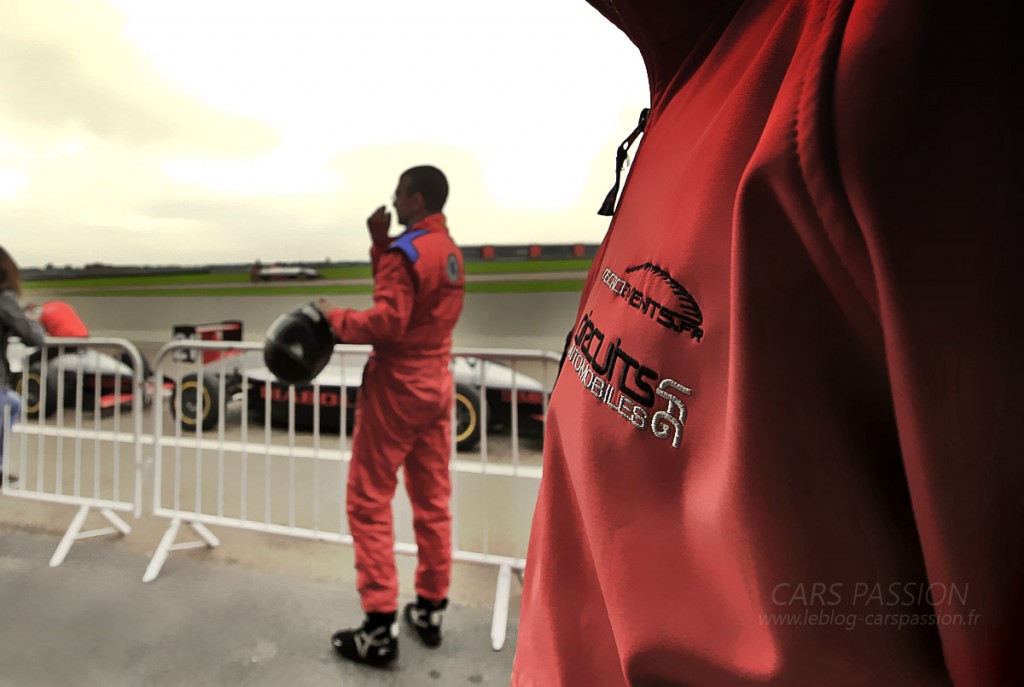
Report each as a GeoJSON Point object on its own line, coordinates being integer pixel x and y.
{"type": "Point", "coordinates": [80, 440]}
{"type": "Point", "coordinates": [235, 448]}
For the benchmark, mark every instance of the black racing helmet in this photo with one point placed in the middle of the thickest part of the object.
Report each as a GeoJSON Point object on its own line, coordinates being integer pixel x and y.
{"type": "Point", "coordinates": [298, 345]}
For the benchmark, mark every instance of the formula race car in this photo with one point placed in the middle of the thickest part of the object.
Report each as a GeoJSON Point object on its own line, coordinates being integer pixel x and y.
{"type": "Point", "coordinates": [245, 374]}
{"type": "Point", "coordinates": [468, 374]}
{"type": "Point", "coordinates": [61, 375]}
{"type": "Point", "coordinates": [106, 381]}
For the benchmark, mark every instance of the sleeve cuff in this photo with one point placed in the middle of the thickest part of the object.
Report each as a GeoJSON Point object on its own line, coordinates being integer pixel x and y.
{"type": "Point", "coordinates": [336, 318]}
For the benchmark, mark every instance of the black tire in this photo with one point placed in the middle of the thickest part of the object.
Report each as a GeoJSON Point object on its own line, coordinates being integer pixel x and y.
{"type": "Point", "coordinates": [32, 396]}
{"type": "Point", "coordinates": [467, 417]}
{"type": "Point", "coordinates": [190, 390]}
{"type": "Point", "coordinates": [256, 413]}
{"type": "Point", "coordinates": [149, 383]}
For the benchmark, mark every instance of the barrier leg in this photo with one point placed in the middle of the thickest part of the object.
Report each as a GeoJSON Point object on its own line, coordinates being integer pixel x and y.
{"type": "Point", "coordinates": [206, 535]}
{"type": "Point", "coordinates": [160, 555]}
{"type": "Point", "coordinates": [69, 537]}
{"type": "Point", "coordinates": [167, 545]}
{"type": "Point", "coordinates": [499, 622]}
{"type": "Point", "coordinates": [115, 520]}
{"type": "Point", "coordinates": [75, 532]}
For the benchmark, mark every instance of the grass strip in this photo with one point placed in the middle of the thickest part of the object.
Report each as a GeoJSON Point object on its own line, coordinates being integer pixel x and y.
{"type": "Point", "coordinates": [525, 267]}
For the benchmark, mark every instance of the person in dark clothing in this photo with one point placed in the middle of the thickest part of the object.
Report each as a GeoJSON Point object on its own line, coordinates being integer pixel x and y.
{"type": "Point", "coordinates": [13, 323]}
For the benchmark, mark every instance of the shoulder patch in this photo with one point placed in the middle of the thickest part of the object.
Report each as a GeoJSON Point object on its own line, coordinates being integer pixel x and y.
{"type": "Point", "coordinates": [452, 268]}
{"type": "Point", "coordinates": [405, 244]}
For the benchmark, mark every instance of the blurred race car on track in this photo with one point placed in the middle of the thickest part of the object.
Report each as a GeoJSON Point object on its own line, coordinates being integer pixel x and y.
{"type": "Point", "coordinates": [336, 389]}
{"type": "Point", "coordinates": [284, 272]}
{"type": "Point", "coordinates": [52, 377]}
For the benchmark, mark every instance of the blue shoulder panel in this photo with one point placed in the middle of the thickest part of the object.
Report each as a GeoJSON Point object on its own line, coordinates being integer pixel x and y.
{"type": "Point", "coordinates": [404, 243]}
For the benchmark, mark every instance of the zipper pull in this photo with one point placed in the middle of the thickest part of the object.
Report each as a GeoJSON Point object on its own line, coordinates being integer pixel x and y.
{"type": "Point", "coordinates": [621, 155]}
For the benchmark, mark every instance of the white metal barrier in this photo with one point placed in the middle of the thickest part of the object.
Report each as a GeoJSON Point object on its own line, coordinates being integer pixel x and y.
{"type": "Point", "coordinates": [215, 465]}
{"type": "Point", "coordinates": [240, 450]}
{"type": "Point", "coordinates": [496, 484]}
{"type": "Point", "coordinates": [80, 438]}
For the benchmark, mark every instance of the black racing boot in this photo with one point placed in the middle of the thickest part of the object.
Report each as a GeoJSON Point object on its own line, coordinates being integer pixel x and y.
{"type": "Point", "coordinates": [374, 643]}
{"type": "Point", "coordinates": [425, 617]}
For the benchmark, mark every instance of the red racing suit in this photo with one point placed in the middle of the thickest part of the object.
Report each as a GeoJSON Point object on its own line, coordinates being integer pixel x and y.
{"type": "Point", "coordinates": [784, 448]}
{"type": "Point", "coordinates": [403, 419]}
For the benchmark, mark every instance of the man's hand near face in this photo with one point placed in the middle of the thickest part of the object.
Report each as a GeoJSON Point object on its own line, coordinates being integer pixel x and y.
{"type": "Point", "coordinates": [378, 223]}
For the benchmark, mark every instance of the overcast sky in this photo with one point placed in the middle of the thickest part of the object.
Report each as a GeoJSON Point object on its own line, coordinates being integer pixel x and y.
{"type": "Point", "coordinates": [208, 131]}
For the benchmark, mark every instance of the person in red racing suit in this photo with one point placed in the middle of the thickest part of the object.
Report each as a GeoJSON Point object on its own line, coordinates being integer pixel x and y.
{"type": "Point", "coordinates": [403, 419]}
{"type": "Point", "coordinates": [784, 448]}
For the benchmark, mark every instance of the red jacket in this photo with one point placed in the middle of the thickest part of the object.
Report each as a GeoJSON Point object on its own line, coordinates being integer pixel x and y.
{"type": "Point", "coordinates": [417, 298]}
{"type": "Point", "coordinates": [784, 448]}
{"type": "Point", "coordinates": [417, 295]}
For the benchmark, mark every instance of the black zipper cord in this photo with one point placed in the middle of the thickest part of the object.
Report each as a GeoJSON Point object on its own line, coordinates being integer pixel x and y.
{"type": "Point", "coordinates": [608, 206]}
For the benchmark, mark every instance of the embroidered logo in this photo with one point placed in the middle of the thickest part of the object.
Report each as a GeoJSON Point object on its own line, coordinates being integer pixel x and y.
{"type": "Point", "coordinates": [682, 315]}
{"type": "Point", "coordinates": [620, 381]}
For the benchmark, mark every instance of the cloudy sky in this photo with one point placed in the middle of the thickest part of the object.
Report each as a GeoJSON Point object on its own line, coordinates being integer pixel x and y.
{"type": "Point", "coordinates": [206, 131]}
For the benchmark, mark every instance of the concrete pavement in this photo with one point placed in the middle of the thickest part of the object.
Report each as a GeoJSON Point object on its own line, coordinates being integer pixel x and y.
{"type": "Point", "coordinates": [258, 611]}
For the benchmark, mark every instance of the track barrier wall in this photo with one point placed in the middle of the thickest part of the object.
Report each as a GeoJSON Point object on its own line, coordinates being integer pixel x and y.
{"type": "Point", "coordinates": [232, 447]}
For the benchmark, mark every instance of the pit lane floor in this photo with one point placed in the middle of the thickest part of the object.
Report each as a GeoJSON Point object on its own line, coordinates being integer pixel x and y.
{"type": "Point", "coordinates": [92, 622]}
